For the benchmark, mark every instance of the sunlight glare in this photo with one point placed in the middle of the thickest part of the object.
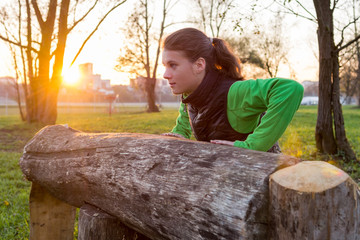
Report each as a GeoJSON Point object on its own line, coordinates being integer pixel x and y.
{"type": "Point", "coordinates": [71, 76]}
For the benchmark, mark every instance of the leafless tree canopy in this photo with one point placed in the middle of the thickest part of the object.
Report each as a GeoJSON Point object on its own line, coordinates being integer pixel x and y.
{"type": "Point", "coordinates": [39, 31]}
{"type": "Point", "coordinates": [140, 55]}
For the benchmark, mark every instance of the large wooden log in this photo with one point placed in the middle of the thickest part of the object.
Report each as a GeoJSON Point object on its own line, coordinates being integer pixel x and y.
{"type": "Point", "coordinates": [163, 187]}
{"type": "Point", "coordinates": [314, 200]}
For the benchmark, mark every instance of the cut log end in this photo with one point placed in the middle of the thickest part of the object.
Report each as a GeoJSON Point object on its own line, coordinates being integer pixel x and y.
{"type": "Point", "coordinates": [310, 176]}
{"type": "Point", "coordinates": [314, 200]}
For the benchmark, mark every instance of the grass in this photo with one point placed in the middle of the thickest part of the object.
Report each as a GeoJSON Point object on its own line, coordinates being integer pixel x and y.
{"type": "Point", "coordinates": [14, 189]}
{"type": "Point", "coordinates": [14, 195]}
{"type": "Point", "coordinates": [298, 140]}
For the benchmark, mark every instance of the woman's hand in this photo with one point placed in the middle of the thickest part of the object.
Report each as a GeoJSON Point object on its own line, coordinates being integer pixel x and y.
{"type": "Point", "coordinates": [222, 142]}
{"type": "Point", "coordinates": [170, 134]}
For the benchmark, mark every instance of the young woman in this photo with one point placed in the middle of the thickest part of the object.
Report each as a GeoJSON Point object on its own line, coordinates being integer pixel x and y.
{"type": "Point", "coordinates": [217, 105]}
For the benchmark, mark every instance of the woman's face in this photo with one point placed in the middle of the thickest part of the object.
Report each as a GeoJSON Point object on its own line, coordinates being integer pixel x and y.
{"type": "Point", "coordinates": [183, 76]}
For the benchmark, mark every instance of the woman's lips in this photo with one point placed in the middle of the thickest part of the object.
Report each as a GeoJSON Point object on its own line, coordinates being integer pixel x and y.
{"type": "Point", "coordinates": [172, 84]}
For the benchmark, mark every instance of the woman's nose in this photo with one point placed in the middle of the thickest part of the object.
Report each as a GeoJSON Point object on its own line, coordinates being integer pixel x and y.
{"type": "Point", "coordinates": [167, 74]}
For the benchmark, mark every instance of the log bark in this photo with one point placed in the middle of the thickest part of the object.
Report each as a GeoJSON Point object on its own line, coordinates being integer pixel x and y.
{"type": "Point", "coordinates": [95, 224]}
{"type": "Point", "coordinates": [314, 200]}
{"type": "Point", "coordinates": [162, 187]}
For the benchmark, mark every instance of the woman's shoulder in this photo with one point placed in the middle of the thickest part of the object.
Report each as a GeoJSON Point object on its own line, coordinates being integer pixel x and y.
{"type": "Point", "coordinates": [266, 81]}
{"type": "Point", "coordinates": [264, 85]}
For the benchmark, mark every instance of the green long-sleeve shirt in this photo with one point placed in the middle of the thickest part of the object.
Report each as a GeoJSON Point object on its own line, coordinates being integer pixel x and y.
{"type": "Point", "coordinates": [246, 100]}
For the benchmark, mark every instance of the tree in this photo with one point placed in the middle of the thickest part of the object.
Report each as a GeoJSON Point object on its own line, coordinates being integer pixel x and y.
{"type": "Point", "coordinates": [271, 46]}
{"type": "Point", "coordinates": [348, 85]}
{"type": "Point", "coordinates": [349, 61]}
{"type": "Point", "coordinates": [252, 65]}
{"type": "Point", "coordinates": [349, 73]}
{"type": "Point", "coordinates": [213, 14]}
{"type": "Point", "coordinates": [357, 51]}
{"type": "Point", "coordinates": [138, 56]}
{"type": "Point", "coordinates": [45, 48]}
{"type": "Point", "coordinates": [330, 115]}
{"type": "Point", "coordinates": [329, 85]}
{"type": "Point", "coordinates": [358, 71]}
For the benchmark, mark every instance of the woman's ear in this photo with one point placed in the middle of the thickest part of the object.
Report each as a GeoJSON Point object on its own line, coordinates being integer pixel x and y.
{"type": "Point", "coordinates": [199, 65]}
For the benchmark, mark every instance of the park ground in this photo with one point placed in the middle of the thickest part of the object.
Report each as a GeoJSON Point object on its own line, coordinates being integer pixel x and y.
{"type": "Point", "coordinates": [298, 141]}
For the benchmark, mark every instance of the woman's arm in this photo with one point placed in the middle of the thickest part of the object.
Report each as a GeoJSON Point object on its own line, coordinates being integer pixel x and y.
{"type": "Point", "coordinates": [182, 126]}
{"type": "Point", "coordinates": [280, 98]}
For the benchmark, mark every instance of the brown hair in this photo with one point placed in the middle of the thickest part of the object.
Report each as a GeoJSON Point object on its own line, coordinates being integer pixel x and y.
{"type": "Point", "coordinates": [216, 52]}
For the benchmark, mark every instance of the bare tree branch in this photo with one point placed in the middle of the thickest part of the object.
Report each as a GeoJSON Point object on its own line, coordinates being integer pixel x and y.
{"type": "Point", "coordinates": [162, 26]}
{"type": "Point", "coordinates": [83, 17]}
{"type": "Point", "coordinates": [349, 43]}
{"type": "Point", "coordinates": [203, 16]}
{"type": "Point", "coordinates": [305, 9]}
{"type": "Point", "coordinates": [16, 43]}
{"type": "Point", "coordinates": [344, 28]}
{"type": "Point", "coordinates": [37, 13]}
{"type": "Point", "coordinates": [334, 5]}
{"type": "Point", "coordinates": [95, 29]}
{"type": "Point", "coordinates": [291, 11]}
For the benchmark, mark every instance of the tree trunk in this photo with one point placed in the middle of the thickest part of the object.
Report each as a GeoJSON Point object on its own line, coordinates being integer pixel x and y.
{"type": "Point", "coordinates": [329, 89]}
{"type": "Point", "coordinates": [50, 107]}
{"type": "Point", "coordinates": [314, 200]}
{"type": "Point", "coordinates": [30, 111]}
{"type": "Point", "coordinates": [357, 80]}
{"type": "Point", "coordinates": [41, 83]}
{"type": "Point", "coordinates": [162, 187]}
{"type": "Point", "coordinates": [324, 135]}
{"type": "Point", "coordinates": [18, 100]}
{"type": "Point", "coordinates": [150, 94]}
{"type": "Point", "coordinates": [358, 96]}
{"type": "Point", "coordinates": [95, 224]}
{"type": "Point", "coordinates": [343, 145]}
{"type": "Point", "coordinates": [358, 72]}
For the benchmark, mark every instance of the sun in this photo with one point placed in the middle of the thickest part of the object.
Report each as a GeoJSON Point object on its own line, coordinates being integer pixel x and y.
{"type": "Point", "coordinates": [71, 76]}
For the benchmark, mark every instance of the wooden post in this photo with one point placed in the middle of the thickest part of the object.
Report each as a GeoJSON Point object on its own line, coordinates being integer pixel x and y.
{"type": "Point", "coordinates": [95, 224]}
{"type": "Point", "coordinates": [50, 218]}
{"type": "Point", "coordinates": [314, 200]}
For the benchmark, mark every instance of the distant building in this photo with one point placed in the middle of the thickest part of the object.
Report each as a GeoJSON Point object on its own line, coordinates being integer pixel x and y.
{"type": "Point", "coordinates": [162, 85]}
{"type": "Point", "coordinates": [162, 89]}
{"type": "Point", "coordinates": [7, 90]}
{"type": "Point", "coordinates": [6, 85]}
{"type": "Point", "coordinates": [7, 80]}
{"type": "Point", "coordinates": [90, 81]}
{"type": "Point", "coordinates": [105, 83]}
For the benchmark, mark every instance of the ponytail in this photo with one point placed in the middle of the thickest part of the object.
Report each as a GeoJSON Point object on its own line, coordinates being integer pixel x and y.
{"type": "Point", "coordinates": [225, 60]}
{"type": "Point", "coordinates": [216, 52]}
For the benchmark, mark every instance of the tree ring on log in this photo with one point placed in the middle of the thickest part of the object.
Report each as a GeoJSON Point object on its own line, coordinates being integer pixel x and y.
{"type": "Point", "coordinates": [310, 176]}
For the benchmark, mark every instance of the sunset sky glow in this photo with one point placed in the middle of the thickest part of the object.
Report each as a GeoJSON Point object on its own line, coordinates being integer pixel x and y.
{"type": "Point", "coordinates": [104, 47]}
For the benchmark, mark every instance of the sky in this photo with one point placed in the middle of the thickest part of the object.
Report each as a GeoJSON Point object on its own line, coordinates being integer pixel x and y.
{"type": "Point", "coordinates": [103, 48]}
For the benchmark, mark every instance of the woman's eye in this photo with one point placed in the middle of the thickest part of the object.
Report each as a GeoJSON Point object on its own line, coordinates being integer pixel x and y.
{"type": "Point", "coordinates": [173, 65]}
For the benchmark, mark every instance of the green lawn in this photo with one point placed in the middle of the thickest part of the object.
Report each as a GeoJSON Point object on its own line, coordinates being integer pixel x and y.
{"type": "Point", "coordinates": [298, 141]}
